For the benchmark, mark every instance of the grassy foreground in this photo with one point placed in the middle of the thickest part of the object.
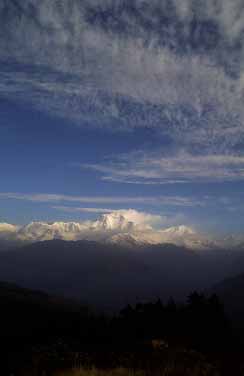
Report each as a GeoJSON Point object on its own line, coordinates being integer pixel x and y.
{"type": "Point", "coordinates": [96, 372]}
{"type": "Point", "coordinates": [168, 371]}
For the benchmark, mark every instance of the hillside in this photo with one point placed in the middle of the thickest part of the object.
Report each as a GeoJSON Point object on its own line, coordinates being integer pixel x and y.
{"type": "Point", "coordinates": [111, 275]}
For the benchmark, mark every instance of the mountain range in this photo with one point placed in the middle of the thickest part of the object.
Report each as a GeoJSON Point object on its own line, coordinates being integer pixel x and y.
{"type": "Point", "coordinates": [117, 259]}
{"type": "Point", "coordinates": [126, 228]}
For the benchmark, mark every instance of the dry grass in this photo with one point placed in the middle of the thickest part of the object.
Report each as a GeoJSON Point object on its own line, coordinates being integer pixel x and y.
{"type": "Point", "coordinates": [167, 371]}
{"type": "Point", "coordinates": [96, 372]}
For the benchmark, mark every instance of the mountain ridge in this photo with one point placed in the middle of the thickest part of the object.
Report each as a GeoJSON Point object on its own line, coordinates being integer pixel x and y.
{"type": "Point", "coordinates": [123, 227]}
{"type": "Point", "coordinates": [113, 275]}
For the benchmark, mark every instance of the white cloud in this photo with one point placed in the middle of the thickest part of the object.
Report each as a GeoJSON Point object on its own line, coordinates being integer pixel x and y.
{"type": "Point", "coordinates": [142, 168]}
{"type": "Point", "coordinates": [68, 209]}
{"type": "Point", "coordinates": [142, 218]}
{"type": "Point", "coordinates": [82, 199]}
{"type": "Point", "coordinates": [148, 67]}
{"type": "Point", "coordinates": [143, 200]}
{"type": "Point", "coordinates": [131, 215]}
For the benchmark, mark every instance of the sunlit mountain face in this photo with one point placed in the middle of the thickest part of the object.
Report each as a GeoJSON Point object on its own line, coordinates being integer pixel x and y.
{"type": "Point", "coordinates": [109, 228]}
{"type": "Point", "coordinates": [122, 121]}
{"type": "Point", "coordinates": [130, 229]}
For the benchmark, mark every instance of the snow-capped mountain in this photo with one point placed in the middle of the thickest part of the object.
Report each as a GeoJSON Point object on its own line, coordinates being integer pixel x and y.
{"type": "Point", "coordinates": [179, 231]}
{"type": "Point", "coordinates": [40, 231]}
{"type": "Point", "coordinates": [6, 227]}
{"type": "Point", "coordinates": [187, 237]}
{"type": "Point", "coordinates": [101, 229]}
{"type": "Point", "coordinates": [179, 235]}
{"type": "Point", "coordinates": [124, 227]}
{"type": "Point", "coordinates": [128, 228]}
{"type": "Point", "coordinates": [113, 222]}
{"type": "Point", "coordinates": [7, 230]}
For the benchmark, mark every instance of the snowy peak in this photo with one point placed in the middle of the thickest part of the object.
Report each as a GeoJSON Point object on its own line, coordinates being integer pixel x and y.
{"type": "Point", "coordinates": [180, 231]}
{"type": "Point", "coordinates": [6, 227]}
{"type": "Point", "coordinates": [7, 231]}
{"type": "Point", "coordinates": [39, 231]}
{"type": "Point", "coordinates": [113, 222]}
{"type": "Point", "coordinates": [187, 237]}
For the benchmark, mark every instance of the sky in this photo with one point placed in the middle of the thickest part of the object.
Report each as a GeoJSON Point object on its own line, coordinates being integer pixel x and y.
{"type": "Point", "coordinates": [123, 104]}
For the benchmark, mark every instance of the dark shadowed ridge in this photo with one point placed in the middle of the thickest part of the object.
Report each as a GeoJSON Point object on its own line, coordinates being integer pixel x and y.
{"type": "Point", "coordinates": [23, 295]}
{"type": "Point", "coordinates": [111, 276]}
{"type": "Point", "coordinates": [231, 293]}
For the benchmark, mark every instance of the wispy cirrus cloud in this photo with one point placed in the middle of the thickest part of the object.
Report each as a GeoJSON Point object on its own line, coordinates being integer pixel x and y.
{"type": "Point", "coordinates": [156, 168]}
{"type": "Point", "coordinates": [137, 200]}
{"type": "Point", "coordinates": [70, 209]}
{"type": "Point", "coordinates": [176, 67]}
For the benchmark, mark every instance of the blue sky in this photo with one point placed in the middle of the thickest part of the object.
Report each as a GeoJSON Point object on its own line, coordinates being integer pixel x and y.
{"type": "Point", "coordinates": [122, 104]}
